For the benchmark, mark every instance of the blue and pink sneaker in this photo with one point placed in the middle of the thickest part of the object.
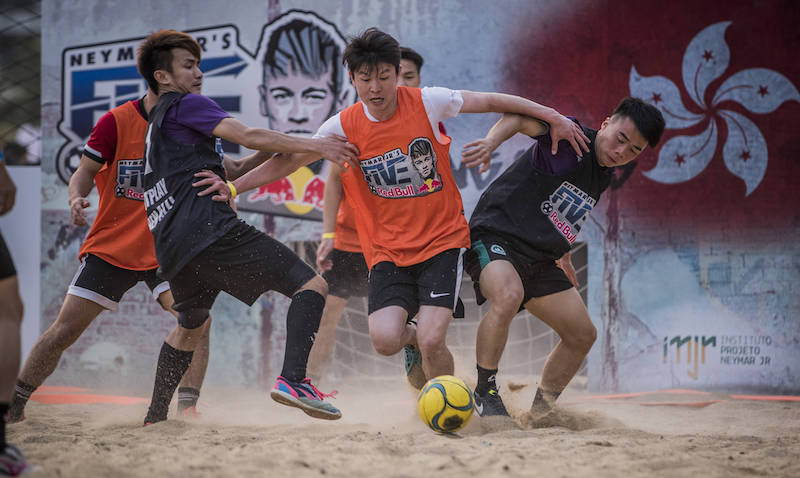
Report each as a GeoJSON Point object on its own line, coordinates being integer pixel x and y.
{"type": "Point", "coordinates": [305, 396]}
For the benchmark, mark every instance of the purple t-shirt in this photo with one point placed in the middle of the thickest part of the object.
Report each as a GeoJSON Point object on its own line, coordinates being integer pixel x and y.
{"type": "Point", "coordinates": [563, 162]}
{"type": "Point", "coordinates": [193, 119]}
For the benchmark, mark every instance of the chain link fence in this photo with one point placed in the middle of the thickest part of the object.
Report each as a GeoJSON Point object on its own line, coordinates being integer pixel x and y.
{"type": "Point", "coordinates": [20, 81]}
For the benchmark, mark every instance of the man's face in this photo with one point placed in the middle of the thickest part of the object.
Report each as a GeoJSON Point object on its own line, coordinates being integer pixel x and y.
{"type": "Point", "coordinates": [297, 103]}
{"type": "Point", "coordinates": [377, 88]}
{"type": "Point", "coordinates": [618, 142]}
{"type": "Point", "coordinates": [409, 74]}
{"type": "Point", "coordinates": [185, 76]}
{"type": "Point", "coordinates": [424, 165]}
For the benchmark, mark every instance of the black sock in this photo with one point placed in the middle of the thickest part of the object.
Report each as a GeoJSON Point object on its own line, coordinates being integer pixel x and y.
{"type": "Point", "coordinates": [486, 381]}
{"type": "Point", "coordinates": [3, 411]}
{"type": "Point", "coordinates": [187, 397]}
{"type": "Point", "coordinates": [172, 364]}
{"type": "Point", "coordinates": [543, 401]}
{"type": "Point", "coordinates": [22, 392]}
{"type": "Point", "coordinates": [302, 323]}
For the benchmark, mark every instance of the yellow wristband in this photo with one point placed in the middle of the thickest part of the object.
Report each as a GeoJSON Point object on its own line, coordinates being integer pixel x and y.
{"type": "Point", "coordinates": [233, 189]}
{"type": "Point", "coordinates": [328, 235]}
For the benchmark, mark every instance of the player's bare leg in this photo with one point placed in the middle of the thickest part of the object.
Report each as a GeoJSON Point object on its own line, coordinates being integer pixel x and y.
{"type": "Point", "coordinates": [432, 323]}
{"type": "Point", "coordinates": [75, 316]}
{"type": "Point", "coordinates": [502, 287]}
{"type": "Point", "coordinates": [566, 313]}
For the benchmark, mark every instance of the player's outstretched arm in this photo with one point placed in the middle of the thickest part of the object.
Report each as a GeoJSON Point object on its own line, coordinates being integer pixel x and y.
{"type": "Point", "coordinates": [561, 127]}
{"type": "Point", "coordinates": [8, 190]}
{"type": "Point", "coordinates": [236, 168]}
{"type": "Point", "coordinates": [278, 166]}
{"type": "Point", "coordinates": [80, 185]}
{"type": "Point", "coordinates": [332, 197]}
{"type": "Point", "coordinates": [479, 152]}
{"type": "Point", "coordinates": [333, 148]}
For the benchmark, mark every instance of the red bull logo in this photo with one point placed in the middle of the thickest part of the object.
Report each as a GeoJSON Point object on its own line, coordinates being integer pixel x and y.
{"type": "Point", "coordinates": [303, 184]}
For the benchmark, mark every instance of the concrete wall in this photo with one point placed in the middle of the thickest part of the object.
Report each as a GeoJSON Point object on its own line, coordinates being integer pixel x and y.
{"type": "Point", "coordinates": [703, 247]}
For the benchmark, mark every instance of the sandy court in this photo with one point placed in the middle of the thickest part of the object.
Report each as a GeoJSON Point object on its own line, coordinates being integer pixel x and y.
{"type": "Point", "coordinates": [244, 433]}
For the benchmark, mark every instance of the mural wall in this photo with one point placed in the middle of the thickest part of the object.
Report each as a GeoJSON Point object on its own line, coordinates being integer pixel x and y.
{"type": "Point", "coordinates": [693, 255]}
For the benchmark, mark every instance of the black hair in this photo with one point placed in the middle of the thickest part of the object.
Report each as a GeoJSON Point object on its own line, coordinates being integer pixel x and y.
{"type": "Point", "coordinates": [303, 47]}
{"type": "Point", "coordinates": [646, 117]}
{"type": "Point", "coordinates": [155, 53]}
{"type": "Point", "coordinates": [371, 48]}
{"type": "Point", "coordinates": [409, 54]}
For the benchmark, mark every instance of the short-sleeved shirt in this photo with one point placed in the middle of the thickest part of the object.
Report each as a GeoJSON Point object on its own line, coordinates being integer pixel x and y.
{"type": "Point", "coordinates": [404, 214]}
{"type": "Point", "coordinates": [541, 201]}
{"type": "Point", "coordinates": [119, 234]}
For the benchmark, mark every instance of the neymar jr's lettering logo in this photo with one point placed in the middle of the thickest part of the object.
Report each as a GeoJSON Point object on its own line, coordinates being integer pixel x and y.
{"type": "Point", "coordinates": [568, 209]}
{"type": "Point", "coordinates": [97, 78]}
{"type": "Point", "coordinates": [130, 173]}
{"type": "Point", "coordinates": [292, 84]}
{"type": "Point", "coordinates": [397, 175]}
{"type": "Point", "coordinates": [695, 351]}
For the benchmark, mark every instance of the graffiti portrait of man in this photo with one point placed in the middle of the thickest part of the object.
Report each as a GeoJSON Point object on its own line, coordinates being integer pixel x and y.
{"type": "Point", "coordinates": [303, 83]}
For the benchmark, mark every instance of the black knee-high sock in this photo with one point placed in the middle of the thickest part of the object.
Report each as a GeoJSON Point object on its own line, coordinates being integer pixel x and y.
{"type": "Point", "coordinates": [172, 364]}
{"type": "Point", "coordinates": [486, 381]}
{"type": "Point", "coordinates": [3, 411]}
{"type": "Point", "coordinates": [302, 323]}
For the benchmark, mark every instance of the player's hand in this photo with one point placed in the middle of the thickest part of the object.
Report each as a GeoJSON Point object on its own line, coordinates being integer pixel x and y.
{"type": "Point", "coordinates": [214, 185]}
{"type": "Point", "coordinates": [565, 128]}
{"type": "Point", "coordinates": [336, 148]}
{"type": "Point", "coordinates": [8, 191]}
{"type": "Point", "coordinates": [478, 153]}
{"type": "Point", "coordinates": [565, 264]}
{"type": "Point", "coordinates": [323, 251]}
{"type": "Point", "coordinates": [76, 211]}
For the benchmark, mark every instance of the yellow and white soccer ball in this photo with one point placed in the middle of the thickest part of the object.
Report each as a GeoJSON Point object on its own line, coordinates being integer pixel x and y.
{"type": "Point", "coordinates": [445, 404]}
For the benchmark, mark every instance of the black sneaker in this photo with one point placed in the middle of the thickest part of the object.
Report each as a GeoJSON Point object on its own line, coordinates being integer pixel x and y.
{"type": "Point", "coordinates": [490, 405]}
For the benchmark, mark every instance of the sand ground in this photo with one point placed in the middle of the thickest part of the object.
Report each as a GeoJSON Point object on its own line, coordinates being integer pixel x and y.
{"type": "Point", "coordinates": [244, 433]}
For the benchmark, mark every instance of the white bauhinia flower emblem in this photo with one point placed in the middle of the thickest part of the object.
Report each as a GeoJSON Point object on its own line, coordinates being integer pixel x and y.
{"type": "Point", "coordinates": [759, 90]}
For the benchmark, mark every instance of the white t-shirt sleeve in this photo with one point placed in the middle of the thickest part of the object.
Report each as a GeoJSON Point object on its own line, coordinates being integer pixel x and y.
{"type": "Point", "coordinates": [332, 125]}
{"type": "Point", "coordinates": [440, 104]}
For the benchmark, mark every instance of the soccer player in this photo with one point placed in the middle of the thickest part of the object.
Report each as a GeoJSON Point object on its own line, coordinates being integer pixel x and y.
{"type": "Point", "coordinates": [12, 462]}
{"type": "Point", "coordinates": [524, 222]}
{"type": "Point", "coordinates": [116, 254]}
{"type": "Point", "coordinates": [412, 240]}
{"type": "Point", "coordinates": [201, 245]}
{"type": "Point", "coordinates": [340, 259]}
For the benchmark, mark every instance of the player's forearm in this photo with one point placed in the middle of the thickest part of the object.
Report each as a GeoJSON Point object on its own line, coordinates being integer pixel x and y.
{"type": "Point", "coordinates": [503, 103]}
{"type": "Point", "coordinates": [80, 184]}
{"type": "Point", "coordinates": [275, 168]}
{"type": "Point", "coordinates": [332, 197]}
{"type": "Point", "coordinates": [507, 126]}
{"type": "Point", "coordinates": [238, 167]}
{"type": "Point", "coordinates": [268, 140]}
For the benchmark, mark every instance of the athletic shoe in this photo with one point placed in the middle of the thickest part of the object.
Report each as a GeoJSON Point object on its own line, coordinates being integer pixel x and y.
{"type": "Point", "coordinates": [490, 405]}
{"type": "Point", "coordinates": [305, 396]}
{"type": "Point", "coordinates": [12, 463]}
{"type": "Point", "coordinates": [412, 358]}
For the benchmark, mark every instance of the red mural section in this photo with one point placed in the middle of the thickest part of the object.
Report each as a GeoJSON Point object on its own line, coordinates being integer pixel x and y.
{"type": "Point", "coordinates": [740, 135]}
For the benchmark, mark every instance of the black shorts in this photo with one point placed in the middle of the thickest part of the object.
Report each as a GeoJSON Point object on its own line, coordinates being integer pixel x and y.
{"type": "Point", "coordinates": [539, 278]}
{"type": "Point", "coordinates": [348, 276]}
{"type": "Point", "coordinates": [6, 264]}
{"type": "Point", "coordinates": [105, 284]}
{"type": "Point", "coordinates": [245, 263]}
{"type": "Point", "coordinates": [436, 281]}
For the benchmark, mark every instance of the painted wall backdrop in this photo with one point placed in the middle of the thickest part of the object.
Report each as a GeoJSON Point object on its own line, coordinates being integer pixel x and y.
{"type": "Point", "coordinates": [693, 253]}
